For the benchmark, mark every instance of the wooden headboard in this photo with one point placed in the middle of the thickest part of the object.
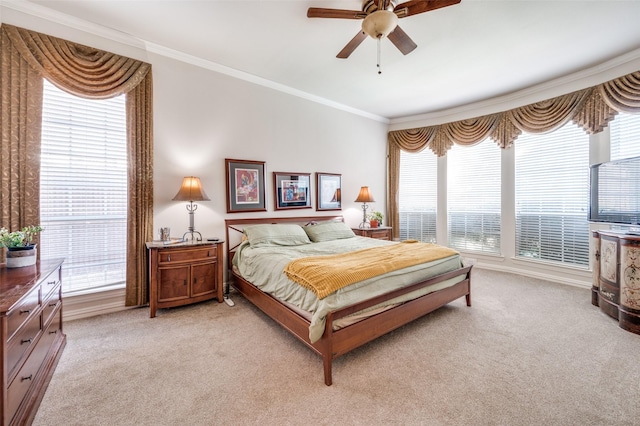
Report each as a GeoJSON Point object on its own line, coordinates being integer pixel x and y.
{"type": "Point", "coordinates": [235, 227]}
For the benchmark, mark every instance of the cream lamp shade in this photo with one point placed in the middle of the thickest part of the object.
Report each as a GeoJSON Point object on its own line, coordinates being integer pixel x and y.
{"type": "Point", "coordinates": [191, 190]}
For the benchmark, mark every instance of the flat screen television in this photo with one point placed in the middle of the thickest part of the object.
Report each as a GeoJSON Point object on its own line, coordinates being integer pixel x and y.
{"type": "Point", "coordinates": [614, 195]}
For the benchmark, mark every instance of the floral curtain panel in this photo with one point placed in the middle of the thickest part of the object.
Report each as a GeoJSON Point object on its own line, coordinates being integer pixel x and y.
{"type": "Point", "coordinates": [27, 57]}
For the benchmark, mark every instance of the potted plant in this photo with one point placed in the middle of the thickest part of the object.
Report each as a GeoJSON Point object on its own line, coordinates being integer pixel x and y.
{"type": "Point", "coordinates": [21, 249]}
{"type": "Point", "coordinates": [375, 219]}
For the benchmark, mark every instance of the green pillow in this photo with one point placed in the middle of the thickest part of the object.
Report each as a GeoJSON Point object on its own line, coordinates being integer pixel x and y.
{"type": "Point", "coordinates": [328, 231]}
{"type": "Point", "coordinates": [276, 235]}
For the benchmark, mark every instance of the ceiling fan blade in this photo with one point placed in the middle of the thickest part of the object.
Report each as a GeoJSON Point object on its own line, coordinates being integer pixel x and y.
{"type": "Point", "coordinates": [402, 41]}
{"type": "Point", "coordinates": [420, 6]}
{"type": "Point", "coordinates": [319, 12]}
{"type": "Point", "coordinates": [351, 46]}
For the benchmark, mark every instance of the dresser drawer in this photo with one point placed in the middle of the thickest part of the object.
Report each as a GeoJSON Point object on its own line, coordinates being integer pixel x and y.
{"type": "Point", "coordinates": [51, 283]}
{"type": "Point", "coordinates": [49, 305]}
{"type": "Point", "coordinates": [21, 342]}
{"type": "Point", "coordinates": [23, 311]}
{"type": "Point", "coordinates": [28, 374]}
{"type": "Point", "coordinates": [187, 255]}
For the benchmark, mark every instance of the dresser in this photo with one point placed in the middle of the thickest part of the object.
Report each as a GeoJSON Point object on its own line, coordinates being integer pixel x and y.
{"type": "Point", "coordinates": [32, 337]}
{"type": "Point", "coordinates": [184, 273]}
{"type": "Point", "coordinates": [616, 277]}
{"type": "Point", "coordinates": [380, 233]}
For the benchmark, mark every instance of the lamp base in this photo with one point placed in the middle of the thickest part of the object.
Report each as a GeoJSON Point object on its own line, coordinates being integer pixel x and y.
{"type": "Point", "coordinates": [364, 224]}
{"type": "Point", "coordinates": [193, 237]}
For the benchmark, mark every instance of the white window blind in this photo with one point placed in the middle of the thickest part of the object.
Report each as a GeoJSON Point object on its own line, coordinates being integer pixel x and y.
{"type": "Point", "coordinates": [625, 136]}
{"type": "Point", "coordinates": [417, 198]}
{"type": "Point", "coordinates": [473, 197]}
{"type": "Point", "coordinates": [83, 190]}
{"type": "Point", "coordinates": [552, 196]}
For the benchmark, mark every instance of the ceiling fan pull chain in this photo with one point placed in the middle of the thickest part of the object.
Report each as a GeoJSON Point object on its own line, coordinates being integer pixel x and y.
{"type": "Point", "coordinates": [378, 65]}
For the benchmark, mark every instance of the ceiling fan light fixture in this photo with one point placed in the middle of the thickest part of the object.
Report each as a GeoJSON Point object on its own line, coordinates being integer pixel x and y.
{"type": "Point", "coordinates": [379, 23]}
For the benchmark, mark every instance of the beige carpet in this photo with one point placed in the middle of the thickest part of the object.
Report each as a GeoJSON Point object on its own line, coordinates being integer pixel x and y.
{"type": "Point", "coordinates": [527, 352]}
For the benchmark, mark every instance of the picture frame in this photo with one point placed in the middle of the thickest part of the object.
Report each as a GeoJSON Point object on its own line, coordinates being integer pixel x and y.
{"type": "Point", "coordinates": [245, 186]}
{"type": "Point", "coordinates": [328, 191]}
{"type": "Point", "coordinates": [292, 190]}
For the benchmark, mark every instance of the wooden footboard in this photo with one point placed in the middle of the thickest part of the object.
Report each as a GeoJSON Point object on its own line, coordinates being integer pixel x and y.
{"type": "Point", "coordinates": [333, 344]}
{"type": "Point", "coordinates": [336, 343]}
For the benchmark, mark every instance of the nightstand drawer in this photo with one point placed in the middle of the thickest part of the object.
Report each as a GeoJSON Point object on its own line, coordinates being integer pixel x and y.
{"type": "Point", "coordinates": [380, 234]}
{"type": "Point", "coordinates": [173, 256]}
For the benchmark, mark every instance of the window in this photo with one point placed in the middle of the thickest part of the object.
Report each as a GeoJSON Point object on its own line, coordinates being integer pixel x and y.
{"type": "Point", "coordinates": [625, 136]}
{"type": "Point", "coordinates": [473, 197]}
{"type": "Point", "coordinates": [418, 195]}
{"type": "Point", "coordinates": [83, 190]}
{"type": "Point", "coordinates": [552, 196]}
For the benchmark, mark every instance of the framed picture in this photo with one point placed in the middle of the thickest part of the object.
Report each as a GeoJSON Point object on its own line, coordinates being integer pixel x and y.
{"type": "Point", "coordinates": [328, 188]}
{"type": "Point", "coordinates": [292, 190]}
{"type": "Point", "coordinates": [245, 186]}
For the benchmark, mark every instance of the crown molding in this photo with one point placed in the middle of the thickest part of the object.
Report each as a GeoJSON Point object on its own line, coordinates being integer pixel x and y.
{"type": "Point", "coordinates": [127, 39]}
{"type": "Point", "coordinates": [588, 77]}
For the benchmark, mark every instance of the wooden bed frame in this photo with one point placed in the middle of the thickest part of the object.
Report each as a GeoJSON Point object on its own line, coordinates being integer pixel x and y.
{"type": "Point", "coordinates": [333, 344]}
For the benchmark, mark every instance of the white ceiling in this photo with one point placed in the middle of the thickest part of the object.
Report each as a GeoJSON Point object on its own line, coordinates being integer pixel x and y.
{"type": "Point", "coordinates": [466, 53]}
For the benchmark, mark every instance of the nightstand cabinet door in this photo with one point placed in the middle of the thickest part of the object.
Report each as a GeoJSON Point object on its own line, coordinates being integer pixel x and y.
{"type": "Point", "coordinates": [173, 283]}
{"type": "Point", "coordinates": [202, 284]}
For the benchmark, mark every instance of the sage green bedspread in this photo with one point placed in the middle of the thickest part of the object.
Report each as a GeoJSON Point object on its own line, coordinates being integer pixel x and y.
{"type": "Point", "coordinates": [264, 266]}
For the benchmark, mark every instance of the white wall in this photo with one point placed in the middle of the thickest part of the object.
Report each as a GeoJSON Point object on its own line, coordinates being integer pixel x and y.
{"type": "Point", "coordinates": [202, 117]}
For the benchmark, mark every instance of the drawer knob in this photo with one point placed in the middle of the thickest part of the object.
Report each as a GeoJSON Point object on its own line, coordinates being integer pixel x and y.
{"type": "Point", "coordinates": [51, 282]}
{"type": "Point", "coordinates": [169, 258]}
{"type": "Point", "coordinates": [51, 305]}
{"type": "Point", "coordinates": [53, 332]}
{"type": "Point", "coordinates": [23, 341]}
{"type": "Point", "coordinates": [29, 377]}
{"type": "Point", "coordinates": [26, 311]}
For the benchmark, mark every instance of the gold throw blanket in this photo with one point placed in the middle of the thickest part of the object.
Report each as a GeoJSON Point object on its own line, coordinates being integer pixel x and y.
{"type": "Point", "coordinates": [326, 274]}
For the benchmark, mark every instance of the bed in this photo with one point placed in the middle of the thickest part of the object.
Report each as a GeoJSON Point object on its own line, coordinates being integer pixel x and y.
{"type": "Point", "coordinates": [360, 312]}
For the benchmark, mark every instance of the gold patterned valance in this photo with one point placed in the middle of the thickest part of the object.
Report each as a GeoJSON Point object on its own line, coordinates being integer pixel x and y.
{"type": "Point", "coordinates": [591, 109]}
{"type": "Point", "coordinates": [81, 70]}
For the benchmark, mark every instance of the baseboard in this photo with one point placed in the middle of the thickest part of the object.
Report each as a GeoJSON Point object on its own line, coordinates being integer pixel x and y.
{"type": "Point", "coordinates": [92, 304]}
{"type": "Point", "coordinates": [584, 282]}
{"type": "Point", "coordinates": [109, 301]}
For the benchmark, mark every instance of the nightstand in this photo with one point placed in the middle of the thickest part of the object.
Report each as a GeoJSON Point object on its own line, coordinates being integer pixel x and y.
{"type": "Point", "coordinates": [184, 273]}
{"type": "Point", "coordinates": [380, 233]}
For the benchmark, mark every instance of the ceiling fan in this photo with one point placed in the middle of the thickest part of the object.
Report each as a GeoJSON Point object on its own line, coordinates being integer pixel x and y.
{"type": "Point", "coordinates": [380, 19]}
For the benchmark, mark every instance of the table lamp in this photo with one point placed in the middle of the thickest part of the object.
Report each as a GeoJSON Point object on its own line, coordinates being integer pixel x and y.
{"type": "Point", "coordinates": [364, 197]}
{"type": "Point", "coordinates": [191, 190]}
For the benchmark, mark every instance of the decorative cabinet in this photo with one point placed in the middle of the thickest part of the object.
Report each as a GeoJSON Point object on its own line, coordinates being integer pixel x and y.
{"type": "Point", "coordinates": [380, 233]}
{"type": "Point", "coordinates": [184, 273]}
{"type": "Point", "coordinates": [616, 281]}
{"type": "Point", "coordinates": [32, 337]}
